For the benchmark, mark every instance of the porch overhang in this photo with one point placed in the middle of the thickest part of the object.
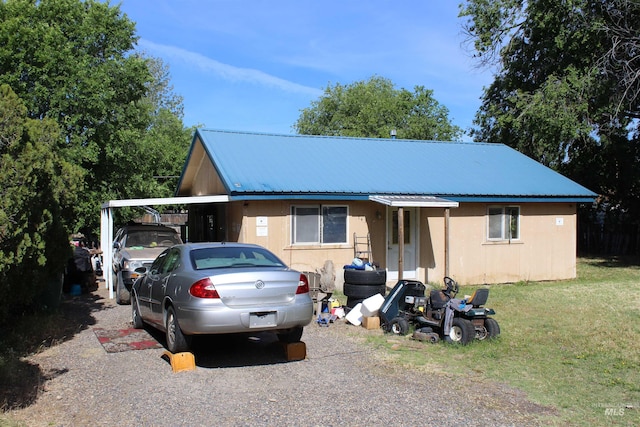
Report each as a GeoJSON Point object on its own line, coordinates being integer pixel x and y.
{"type": "Point", "coordinates": [413, 201]}
{"type": "Point", "coordinates": [417, 201]}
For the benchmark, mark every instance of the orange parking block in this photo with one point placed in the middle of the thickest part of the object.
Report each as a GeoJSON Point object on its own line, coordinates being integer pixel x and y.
{"type": "Point", "coordinates": [181, 361]}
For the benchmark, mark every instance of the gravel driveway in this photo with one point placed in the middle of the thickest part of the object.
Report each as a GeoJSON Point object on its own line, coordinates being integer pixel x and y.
{"type": "Point", "coordinates": [241, 382]}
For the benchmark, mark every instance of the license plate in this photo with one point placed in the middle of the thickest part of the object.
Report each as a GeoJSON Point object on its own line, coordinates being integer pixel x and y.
{"type": "Point", "coordinates": [262, 319]}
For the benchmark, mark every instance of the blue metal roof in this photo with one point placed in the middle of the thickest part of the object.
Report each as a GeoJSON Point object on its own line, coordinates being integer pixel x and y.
{"type": "Point", "coordinates": [256, 165]}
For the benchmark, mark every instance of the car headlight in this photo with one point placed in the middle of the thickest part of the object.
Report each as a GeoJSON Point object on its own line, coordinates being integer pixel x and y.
{"type": "Point", "coordinates": [131, 265]}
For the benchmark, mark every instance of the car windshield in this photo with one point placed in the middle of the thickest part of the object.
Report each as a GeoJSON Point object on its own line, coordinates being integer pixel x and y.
{"type": "Point", "coordinates": [233, 257]}
{"type": "Point", "coordinates": [152, 238]}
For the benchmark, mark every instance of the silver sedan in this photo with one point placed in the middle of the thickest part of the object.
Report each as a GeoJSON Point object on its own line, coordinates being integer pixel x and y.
{"type": "Point", "coordinates": [220, 288]}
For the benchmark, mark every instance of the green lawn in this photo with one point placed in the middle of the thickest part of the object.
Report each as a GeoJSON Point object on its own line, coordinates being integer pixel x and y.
{"type": "Point", "coordinates": [572, 345]}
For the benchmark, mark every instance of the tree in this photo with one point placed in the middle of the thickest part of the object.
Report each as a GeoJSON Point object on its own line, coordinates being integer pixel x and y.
{"type": "Point", "coordinates": [73, 61]}
{"type": "Point", "coordinates": [566, 91]}
{"type": "Point", "coordinates": [35, 185]}
{"type": "Point", "coordinates": [620, 60]}
{"type": "Point", "coordinates": [373, 108]}
{"type": "Point", "coordinates": [167, 140]}
{"type": "Point", "coordinates": [83, 119]}
{"type": "Point", "coordinates": [159, 150]}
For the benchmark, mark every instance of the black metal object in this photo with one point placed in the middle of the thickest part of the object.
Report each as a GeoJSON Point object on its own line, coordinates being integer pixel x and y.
{"type": "Point", "coordinates": [394, 304]}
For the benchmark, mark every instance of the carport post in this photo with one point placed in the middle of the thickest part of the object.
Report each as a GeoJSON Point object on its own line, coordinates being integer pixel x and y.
{"type": "Point", "coordinates": [106, 245]}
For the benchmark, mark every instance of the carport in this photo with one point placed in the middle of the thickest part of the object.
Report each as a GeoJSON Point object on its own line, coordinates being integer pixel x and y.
{"type": "Point", "coordinates": [106, 223]}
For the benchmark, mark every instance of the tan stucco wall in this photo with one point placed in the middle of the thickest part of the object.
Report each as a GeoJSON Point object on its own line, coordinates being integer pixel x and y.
{"type": "Point", "coordinates": [546, 250]}
{"type": "Point", "coordinates": [243, 226]}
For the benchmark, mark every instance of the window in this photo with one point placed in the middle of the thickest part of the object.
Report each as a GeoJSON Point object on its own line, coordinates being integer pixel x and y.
{"type": "Point", "coordinates": [172, 261]}
{"type": "Point", "coordinates": [319, 224]}
{"type": "Point", "coordinates": [503, 223]}
{"type": "Point", "coordinates": [157, 264]}
{"type": "Point", "coordinates": [166, 262]}
{"type": "Point", "coordinates": [233, 257]}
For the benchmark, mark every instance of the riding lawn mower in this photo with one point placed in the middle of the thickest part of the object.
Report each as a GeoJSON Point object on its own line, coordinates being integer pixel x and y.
{"type": "Point", "coordinates": [438, 315]}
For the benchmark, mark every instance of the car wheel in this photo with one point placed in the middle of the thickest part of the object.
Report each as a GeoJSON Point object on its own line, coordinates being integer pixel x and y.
{"type": "Point", "coordinates": [123, 296]}
{"type": "Point", "coordinates": [177, 342]}
{"type": "Point", "coordinates": [293, 335]}
{"type": "Point", "coordinates": [363, 291]}
{"type": "Point", "coordinates": [462, 332]}
{"type": "Point", "coordinates": [365, 277]}
{"type": "Point", "coordinates": [135, 314]}
{"type": "Point", "coordinates": [493, 329]}
{"type": "Point", "coordinates": [114, 281]}
{"type": "Point", "coordinates": [398, 326]}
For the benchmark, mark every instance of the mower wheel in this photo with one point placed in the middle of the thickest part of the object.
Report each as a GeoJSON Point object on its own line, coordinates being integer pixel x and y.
{"type": "Point", "coordinates": [493, 329]}
{"type": "Point", "coordinates": [462, 332]}
{"type": "Point", "coordinates": [431, 337]}
{"type": "Point", "coordinates": [398, 326]}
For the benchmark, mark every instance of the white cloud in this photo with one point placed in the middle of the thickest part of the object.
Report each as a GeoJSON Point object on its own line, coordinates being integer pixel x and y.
{"type": "Point", "coordinates": [226, 71]}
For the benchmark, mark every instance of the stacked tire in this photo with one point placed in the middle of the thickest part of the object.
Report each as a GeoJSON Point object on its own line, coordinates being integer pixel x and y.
{"type": "Point", "coordinates": [362, 284]}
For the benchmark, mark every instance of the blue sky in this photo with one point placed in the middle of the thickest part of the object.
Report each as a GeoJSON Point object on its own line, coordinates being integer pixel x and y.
{"type": "Point", "coordinates": [253, 65]}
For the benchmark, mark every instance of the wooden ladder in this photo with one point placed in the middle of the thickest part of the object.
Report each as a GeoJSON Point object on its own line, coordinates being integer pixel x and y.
{"type": "Point", "coordinates": [362, 247]}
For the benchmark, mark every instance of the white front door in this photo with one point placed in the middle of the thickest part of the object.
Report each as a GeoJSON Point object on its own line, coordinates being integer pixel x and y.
{"type": "Point", "coordinates": [410, 243]}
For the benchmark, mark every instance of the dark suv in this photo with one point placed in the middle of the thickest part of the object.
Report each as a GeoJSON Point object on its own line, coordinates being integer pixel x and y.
{"type": "Point", "coordinates": [134, 246]}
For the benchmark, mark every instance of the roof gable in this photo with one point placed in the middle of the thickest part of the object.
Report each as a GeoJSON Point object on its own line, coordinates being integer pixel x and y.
{"type": "Point", "coordinates": [267, 164]}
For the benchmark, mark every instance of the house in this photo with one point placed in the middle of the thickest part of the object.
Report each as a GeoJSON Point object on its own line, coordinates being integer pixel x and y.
{"type": "Point", "coordinates": [478, 212]}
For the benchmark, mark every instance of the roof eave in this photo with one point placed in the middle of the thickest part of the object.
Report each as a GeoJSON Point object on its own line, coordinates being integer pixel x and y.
{"type": "Point", "coordinates": [437, 200]}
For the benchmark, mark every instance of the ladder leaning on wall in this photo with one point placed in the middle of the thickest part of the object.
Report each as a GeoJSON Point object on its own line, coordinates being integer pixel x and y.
{"type": "Point", "coordinates": [362, 247]}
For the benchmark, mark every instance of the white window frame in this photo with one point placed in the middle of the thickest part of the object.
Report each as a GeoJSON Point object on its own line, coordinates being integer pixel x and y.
{"type": "Point", "coordinates": [506, 216]}
{"type": "Point", "coordinates": [320, 220]}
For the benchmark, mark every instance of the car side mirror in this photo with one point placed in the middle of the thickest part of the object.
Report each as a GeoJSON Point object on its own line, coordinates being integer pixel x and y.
{"type": "Point", "coordinates": [141, 270]}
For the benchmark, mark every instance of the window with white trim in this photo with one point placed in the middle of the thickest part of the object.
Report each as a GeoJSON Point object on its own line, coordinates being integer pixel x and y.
{"type": "Point", "coordinates": [319, 224]}
{"type": "Point", "coordinates": [503, 223]}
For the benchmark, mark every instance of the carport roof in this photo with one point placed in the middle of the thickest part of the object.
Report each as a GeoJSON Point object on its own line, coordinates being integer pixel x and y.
{"type": "Point", "coordinates": [260, 165]}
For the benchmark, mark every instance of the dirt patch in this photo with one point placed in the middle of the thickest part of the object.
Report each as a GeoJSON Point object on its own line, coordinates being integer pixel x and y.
{"type": "Point", "coordinates": [23, 380]}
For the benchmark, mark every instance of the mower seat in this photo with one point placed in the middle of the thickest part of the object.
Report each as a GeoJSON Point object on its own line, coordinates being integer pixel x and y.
{"type": "Point", "coordinates": [438, 299]}
{"type": "Point", "coordinates": [479, 297]}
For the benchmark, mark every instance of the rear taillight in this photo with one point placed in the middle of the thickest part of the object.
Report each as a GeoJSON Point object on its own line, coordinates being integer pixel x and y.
{"type": "Point", "coordinates": [303, 285]}
{"type": "Point", "coordinates": [203, 288]}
